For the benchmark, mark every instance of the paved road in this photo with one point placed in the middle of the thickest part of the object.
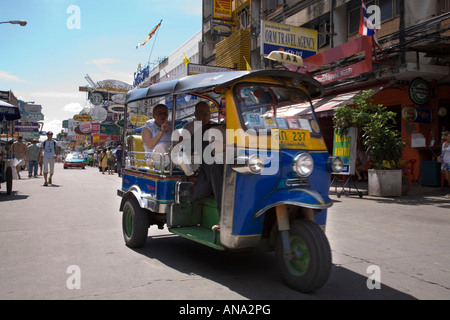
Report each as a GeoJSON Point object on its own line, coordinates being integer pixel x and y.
{"type": "Point", "coordinates": [51, 235]}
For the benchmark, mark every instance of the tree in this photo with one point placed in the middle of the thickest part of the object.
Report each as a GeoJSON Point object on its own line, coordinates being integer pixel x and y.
{"type": "Point", "coordinates": [375, 123]}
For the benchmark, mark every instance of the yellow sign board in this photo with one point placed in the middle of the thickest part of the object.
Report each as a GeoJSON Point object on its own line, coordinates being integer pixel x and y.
{"type": "Point", "coordinates": [222, 9]}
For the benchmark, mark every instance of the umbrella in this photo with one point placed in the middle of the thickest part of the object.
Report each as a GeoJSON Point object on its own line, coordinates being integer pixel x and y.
{"type": "Point", "coordinates": [8, 111]}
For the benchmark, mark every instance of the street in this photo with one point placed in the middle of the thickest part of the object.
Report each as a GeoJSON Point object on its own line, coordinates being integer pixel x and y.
{"type": "Point", "coordinates": [65, 242]}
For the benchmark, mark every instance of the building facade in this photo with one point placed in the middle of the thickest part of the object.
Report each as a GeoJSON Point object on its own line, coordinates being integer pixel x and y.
{"type": "Point", "coordinates": [406, 63]}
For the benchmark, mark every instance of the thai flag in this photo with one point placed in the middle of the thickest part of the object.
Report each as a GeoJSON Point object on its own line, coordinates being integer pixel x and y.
{"type": "Point", "coordinates": [366, 28]}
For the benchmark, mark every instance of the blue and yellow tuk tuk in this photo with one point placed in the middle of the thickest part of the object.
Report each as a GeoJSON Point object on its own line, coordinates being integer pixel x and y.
{"type": "Point", "coordinates": [276, 173]}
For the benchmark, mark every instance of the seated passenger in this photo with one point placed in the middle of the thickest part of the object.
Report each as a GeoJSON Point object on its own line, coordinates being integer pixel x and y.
{"type": "Point", "coordinates": [210, 177]}
{"type": "Point", "coordinates": [156, 135]}
{"type": "Point", "coordinates": [202, 113]}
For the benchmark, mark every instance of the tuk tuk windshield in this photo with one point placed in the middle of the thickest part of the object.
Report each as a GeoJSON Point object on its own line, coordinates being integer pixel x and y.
{"type": "Point", "coordinates": [266, 107]}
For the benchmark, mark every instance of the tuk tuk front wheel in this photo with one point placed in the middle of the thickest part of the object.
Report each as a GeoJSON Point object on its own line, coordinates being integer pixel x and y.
{"type": "Point", "coordinates": [134, 224]}
{"type": "Point", "coordinates": [308, 268]}
{"type": "Point", "coordinates": [9, 180]}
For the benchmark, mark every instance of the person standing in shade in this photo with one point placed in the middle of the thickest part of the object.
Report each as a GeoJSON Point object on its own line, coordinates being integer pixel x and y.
{"type": "Point", "coordinates": [50, 153]}
{"type": "Point", "coordinates": [33, 156]}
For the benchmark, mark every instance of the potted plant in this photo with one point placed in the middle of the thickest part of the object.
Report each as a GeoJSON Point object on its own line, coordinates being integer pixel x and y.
{"type": "Point", "coordinates": [382, 142]}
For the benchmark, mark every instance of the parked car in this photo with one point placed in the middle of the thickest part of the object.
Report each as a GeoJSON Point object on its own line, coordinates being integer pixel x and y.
{"type": "Point", "coordinates": [74, 160]}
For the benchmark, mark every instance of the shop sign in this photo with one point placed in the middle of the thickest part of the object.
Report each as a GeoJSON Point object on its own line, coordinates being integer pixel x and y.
{"type": "Point", "coordinates": [220, 28]}
{"type": "Point", "coordinates": [4, 95]}
{"type": "Point", "coordinates": [282, 37]}
{"type": "Point", "coordinates": [345, 147]}
{"type": "Point", "coordinates": [419, 115]}
{"type": "Point", "coordinates": [95, 127]}
{"type": "Point", "coordinates": [32, 109]}
{"type": "Point", "coordinates": [114, 86]}
{"type": "Point", "coordinates": [26, 127]}
{"type": "Point", "coordinates": [409, 114]}
{"type": "Point", "coordinates": [419, 91]}
{"type": "Point", "coordinates": [85, 128]}
{"type": "Point", "coordinates": [138, 120]}
{"type": "Point", "coordinates": [82, 118]}
{"type": "Point", "coordinates": [109, 129]}
{"type": "Point", "coordinates": [117, 108]}
{"type": "Point", "coordinates": [96, 98]}
{"type": "Point", "coordinates": [99, 114]}
{"type": "Point", "coordinates": [346, 50]}
{"type": "Point", "coordinates": [33, 117]}
{"type": "Point", "coordinates": [222, 9]}
{"type": "Point", "coordinates": [198, 69]}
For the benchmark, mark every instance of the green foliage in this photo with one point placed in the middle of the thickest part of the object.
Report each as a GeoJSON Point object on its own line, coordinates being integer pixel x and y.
{"type": "Point", "coordinates": [382, 142]}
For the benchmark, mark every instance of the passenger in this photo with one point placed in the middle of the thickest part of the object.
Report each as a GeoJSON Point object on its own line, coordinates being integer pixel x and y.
{"type": "Point", "coordinates": [202, 113]}
{"type": "Point", "coordinates": [156, 131]}
{"type": "Point", "coordinates": [210, 177]}
{"type": "Point", "coordinates": [156, 135]}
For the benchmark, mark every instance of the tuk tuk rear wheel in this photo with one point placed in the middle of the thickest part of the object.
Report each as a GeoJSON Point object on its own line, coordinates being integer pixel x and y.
{"type": "Point", "coordinates": [134, 224]}
{"type": "Point", "coordinates": [310, 267]}
{"type": "Point", "coordinates": [9, 180]}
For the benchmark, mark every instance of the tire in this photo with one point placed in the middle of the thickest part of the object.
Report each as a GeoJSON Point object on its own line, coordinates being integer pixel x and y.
{"type": "Point", "coordinates": [135, 224]}
{"type": "Point", "coordinates": [9, 180]}
{"type": "Point", "coordinates": [310, 271]}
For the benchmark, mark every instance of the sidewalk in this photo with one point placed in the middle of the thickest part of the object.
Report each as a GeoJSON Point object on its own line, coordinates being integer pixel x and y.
{"type": "Point", "coordinates": [352, 189]}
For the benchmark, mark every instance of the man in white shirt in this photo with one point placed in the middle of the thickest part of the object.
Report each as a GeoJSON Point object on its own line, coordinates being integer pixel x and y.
{"type": "Point", "coordinates": [51, 151]}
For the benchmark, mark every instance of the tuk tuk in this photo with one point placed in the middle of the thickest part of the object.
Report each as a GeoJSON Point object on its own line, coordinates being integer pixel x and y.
{"type": "Point", "coordinates": [276, 172]}
{"type": "Point", "coordinates": [8, 112]}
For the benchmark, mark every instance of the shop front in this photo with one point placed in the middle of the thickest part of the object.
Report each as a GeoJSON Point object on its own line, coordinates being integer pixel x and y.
{"type": "Point", "coordinates": [419, 94]}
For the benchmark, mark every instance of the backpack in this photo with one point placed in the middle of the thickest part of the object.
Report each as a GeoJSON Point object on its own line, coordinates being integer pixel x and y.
{"type": "Point", "coordinates": [54, 144]}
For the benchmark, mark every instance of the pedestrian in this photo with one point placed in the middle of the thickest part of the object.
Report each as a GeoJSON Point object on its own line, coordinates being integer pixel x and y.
{"type": "Point", "coordinates": [33, 156]}
{"type": "Point", "coordinates": [41, 164]}
{"type": "Point", "coordinates": [95, 162]}
{"type": "Point", "coordinates": [118, 155]}
{"type": "Point", "coordinates": [103, 160]}
{"type": "Point", "coordinates": [20, 152]}
{"type": "Point", "coordinates": [445, 158]}
{"type": "Point", "coordinates": [50, 151]}
{"type": "Point", "coordinates": [110, 160]}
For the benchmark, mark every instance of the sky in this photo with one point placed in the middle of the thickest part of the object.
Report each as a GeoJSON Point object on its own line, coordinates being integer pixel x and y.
{"type": "Point", "coordinates": [46, 60]}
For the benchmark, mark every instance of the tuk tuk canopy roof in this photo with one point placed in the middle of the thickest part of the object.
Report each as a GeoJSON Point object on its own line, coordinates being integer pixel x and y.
{"type": "Point", "coordinates": [206, 82]}
{"type": "Point", "coordinates": [9, 112]}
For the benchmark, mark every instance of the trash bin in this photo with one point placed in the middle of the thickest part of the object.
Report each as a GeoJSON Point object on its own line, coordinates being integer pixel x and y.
{"type": "Point", "coordinates": [431, 174]}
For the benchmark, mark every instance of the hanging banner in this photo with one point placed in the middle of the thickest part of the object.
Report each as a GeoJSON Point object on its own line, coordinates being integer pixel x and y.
{"type": "Point", "coordinates": [345, 147]}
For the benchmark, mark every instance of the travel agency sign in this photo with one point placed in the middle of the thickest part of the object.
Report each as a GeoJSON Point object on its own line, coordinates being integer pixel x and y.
{"type": "Point", "coordinates": [282, 37]}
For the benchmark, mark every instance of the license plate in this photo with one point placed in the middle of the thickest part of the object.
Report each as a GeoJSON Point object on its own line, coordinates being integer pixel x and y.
{"type": "Point", "coordinates": [294, 139]}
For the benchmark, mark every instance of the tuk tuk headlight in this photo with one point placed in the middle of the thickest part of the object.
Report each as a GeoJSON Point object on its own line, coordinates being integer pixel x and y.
{"type": "Point", "coordinates": [336, 164]}
{"type": "Point", "coordinates": [303, 164]}
{"type": "Point", "coordinates": [255, 164]}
